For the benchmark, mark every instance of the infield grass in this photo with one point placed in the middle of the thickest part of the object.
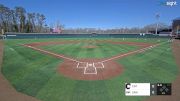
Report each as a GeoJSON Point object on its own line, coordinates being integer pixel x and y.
{"type": "Point", "coordinates": [81, 50]}
{"type": "Point", "coordinates": [35, 74]}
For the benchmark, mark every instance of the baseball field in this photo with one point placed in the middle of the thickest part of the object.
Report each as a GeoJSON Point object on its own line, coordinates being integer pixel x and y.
{"type": "Point", "coordinates": [86, 69]}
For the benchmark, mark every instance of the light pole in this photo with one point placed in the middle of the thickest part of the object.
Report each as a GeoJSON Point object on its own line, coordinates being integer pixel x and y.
{"type": "Point", "coordinates": [157, 24]}
{"type": "Point", "coordinates": [178, 29]}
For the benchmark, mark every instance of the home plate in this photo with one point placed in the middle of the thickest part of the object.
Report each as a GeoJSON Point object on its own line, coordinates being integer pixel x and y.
{"type": "Point", "coordinates": [90, 69]}
{"type": "Point", "coordinates": [90, 64]}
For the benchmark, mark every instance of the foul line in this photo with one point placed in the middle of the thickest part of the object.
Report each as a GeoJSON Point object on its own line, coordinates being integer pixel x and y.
{"type": "Point", "coordinates": [143, 49]}
{"type": "Point", "coordinates": [93, 65]}
{"type": "Point", "coordinates": [51, 53]}
{"type": "Point", "coordinates": [71, 59]}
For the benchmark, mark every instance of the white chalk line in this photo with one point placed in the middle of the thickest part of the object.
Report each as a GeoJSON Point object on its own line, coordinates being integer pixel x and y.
{"type": "Point", "coordinates": [102, 65]}
{"type": "Point", "coordinates": [143, 49]}
{"type": "Point", "coordinates": [93, 65]}
{"type": "Point", "coordinates": [90, 65]}
{"type": "Point", "coordinates": [51, 53]}
{"type": "Point", "coordinates": [57, 55]}
{"type": "Point", "coordinates": [81, 63]}
{"type": "Point", "coordinates": [87, 66]}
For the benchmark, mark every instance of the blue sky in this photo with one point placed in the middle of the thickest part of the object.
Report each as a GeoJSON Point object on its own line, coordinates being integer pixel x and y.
{"type": "Point", "coordinates": [99, 13]}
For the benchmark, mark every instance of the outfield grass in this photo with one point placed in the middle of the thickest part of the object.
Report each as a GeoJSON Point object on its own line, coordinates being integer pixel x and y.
{"type": "Point", "coordinates": [35, 74]}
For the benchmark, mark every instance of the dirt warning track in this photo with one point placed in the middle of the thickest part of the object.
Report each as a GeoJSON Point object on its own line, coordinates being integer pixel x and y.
{"type": "Point", "coordinates": [8, 93]}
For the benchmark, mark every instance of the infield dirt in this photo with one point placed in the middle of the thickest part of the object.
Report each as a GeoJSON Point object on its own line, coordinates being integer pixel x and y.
{"type": "Point", "coordinates": [8, 93]}
{"type": "Point", "coordinates": [69, 67]}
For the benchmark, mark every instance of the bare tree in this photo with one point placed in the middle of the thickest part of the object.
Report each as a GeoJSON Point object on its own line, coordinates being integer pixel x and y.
{"type": "Point", "coordinates": [40, 21]}
{"type": "Point", "coordinates": [4, 15]}
{"type": "Point", "coordinates": [20, 13]}
{"type": "Point", "coordinates": [17, 20]}
{"type": "Point", "coordinates": [152, 27]}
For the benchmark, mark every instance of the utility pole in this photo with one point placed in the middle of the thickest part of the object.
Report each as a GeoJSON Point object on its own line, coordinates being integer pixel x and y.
{"type": "Point", "coordinates": [157, 24]}
{"type": "Point", "coordinates": [2, 31]}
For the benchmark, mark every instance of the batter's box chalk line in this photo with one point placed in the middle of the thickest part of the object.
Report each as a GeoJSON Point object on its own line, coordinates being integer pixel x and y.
{"type": "Point", "coordinates": [90, 68]}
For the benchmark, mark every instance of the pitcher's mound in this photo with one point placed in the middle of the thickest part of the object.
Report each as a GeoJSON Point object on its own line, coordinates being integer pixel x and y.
{"type": "Point", "coordinates": [90, 46]}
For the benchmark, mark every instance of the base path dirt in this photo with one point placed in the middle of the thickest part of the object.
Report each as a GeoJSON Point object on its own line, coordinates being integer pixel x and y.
{"type": "Point", "coordinates": [176, 84]}
{"type": "Point", "coordinates": [89, 47]}
{"type": "Point", "coordinates": [90, 69]}
{"type": "Point", "coordinates": [7, 92]}
{"type": "Point", "coordinates": [70, 69]}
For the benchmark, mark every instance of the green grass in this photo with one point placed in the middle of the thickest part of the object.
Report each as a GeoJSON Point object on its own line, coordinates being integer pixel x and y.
{"type": "Point", "coordinates": [101, 50]}
{"type": "Point", "coordinates": [35, 74]}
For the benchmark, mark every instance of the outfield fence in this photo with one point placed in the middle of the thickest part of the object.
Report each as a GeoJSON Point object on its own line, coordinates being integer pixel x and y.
{"type": "Point", "coordinates": [43, 35]}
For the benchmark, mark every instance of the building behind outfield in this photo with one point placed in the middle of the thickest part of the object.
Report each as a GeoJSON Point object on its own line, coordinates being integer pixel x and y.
{"type": "Point", "coordinates": [176, 28]}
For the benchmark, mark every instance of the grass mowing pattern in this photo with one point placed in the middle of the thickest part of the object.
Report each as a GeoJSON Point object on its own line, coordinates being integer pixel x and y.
{"type": "Point", "coordinates": [27, 68]}
{"type": "Point", "coordinates": [35, 74]}
{"type": "Point", "coordinates": [102, 50]}
{"type": "Point", "coordinates": [156, 65]}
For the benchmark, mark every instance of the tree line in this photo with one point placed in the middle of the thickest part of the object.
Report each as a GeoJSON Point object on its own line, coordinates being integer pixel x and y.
{"type": "Point", "coordinates": [146, 29]}
{"type": "Point", "coordinates": [18, 20]}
